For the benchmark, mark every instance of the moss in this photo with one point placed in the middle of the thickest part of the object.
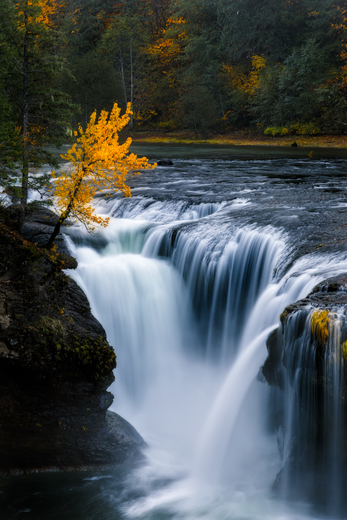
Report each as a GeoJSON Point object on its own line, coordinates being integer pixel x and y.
{"type": "Point", "coordinates": [50, 326]}
{"type": "Point", "coordinates": [50, 343]}
{"type": "Point", "coordinates": [92, 354]}
{"type": "Point", "coordinates": [43, 332]}
{"type": "Point", "coordinates": [344, 350]}
{"type": "Point", "coordinates": [319, 327]}
{"type": "Point", "coordinates": [283, 316]}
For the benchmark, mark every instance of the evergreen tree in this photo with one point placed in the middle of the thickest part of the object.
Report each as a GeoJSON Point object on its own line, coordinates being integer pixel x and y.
{"type": "Point", "coordinates": [39, 109]}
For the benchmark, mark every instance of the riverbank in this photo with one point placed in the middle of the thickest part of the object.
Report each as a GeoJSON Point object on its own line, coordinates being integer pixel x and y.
{"type": "Point", "coordinates": [240, 138]}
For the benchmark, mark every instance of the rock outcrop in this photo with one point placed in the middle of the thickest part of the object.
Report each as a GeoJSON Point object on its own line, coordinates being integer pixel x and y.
{"type": "Point", "coordinates": [164, 162]}
{"type": "Point", "coordinates": [307, 368]}
{"type": "Point", "coordinates": [329, 296]}
{"type": "Point", "coordinates": [55, 362]}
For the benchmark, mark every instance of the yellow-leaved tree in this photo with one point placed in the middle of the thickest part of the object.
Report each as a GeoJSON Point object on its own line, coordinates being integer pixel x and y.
{"type": "Point", "coordinates": [99, 163]}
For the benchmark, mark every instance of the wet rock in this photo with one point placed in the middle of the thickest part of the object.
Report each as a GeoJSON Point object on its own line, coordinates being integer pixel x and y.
{"type": "Point", "coordinates": [306, 368]}
{"type": "Point", "coordinates": [165, 162]}
{"type": "Point", "coordinates": [272, 369]}
{"type": "Point", "coordinates": [38, 226]}
{"type": "Point", "coordinates": [55, 366]}
{"type": "Point", "coordinates": [330, 295]}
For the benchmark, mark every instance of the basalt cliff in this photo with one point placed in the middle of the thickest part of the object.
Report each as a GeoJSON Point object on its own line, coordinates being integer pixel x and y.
{"type": "Point", "coordinates": [55, 361]}
{"type": "Point", "coordinates": [307, 370]}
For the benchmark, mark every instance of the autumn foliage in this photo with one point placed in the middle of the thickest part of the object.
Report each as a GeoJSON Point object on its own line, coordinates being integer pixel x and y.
{"type": "Point", "coordinates": [99, 162]}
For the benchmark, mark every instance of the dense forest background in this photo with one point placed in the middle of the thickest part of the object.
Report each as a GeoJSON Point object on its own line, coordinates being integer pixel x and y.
{"type": "Point", "coordinates": [205, 65]}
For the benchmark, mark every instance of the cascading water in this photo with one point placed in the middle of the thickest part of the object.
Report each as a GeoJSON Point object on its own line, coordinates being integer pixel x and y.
{"type": "Point", "coordinates": [189, 279]}
{"type": "Point", "coordinates": [312, 407]}
{"type": "Point", "coordinates": [189, 308]}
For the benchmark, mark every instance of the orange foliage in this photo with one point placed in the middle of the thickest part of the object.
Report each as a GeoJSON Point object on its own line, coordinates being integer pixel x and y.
{"type": "Point", "coordinates": [41, 12]}
{"type": "Point", "coordinates": [240, 80]}
{"type": "Point", "coordinates": [51, 11]}
{"type": "Point", "coordinates": [99, 163]}
{"type": "Point", "coordinates": [166, 49]}
{"type": "Point", "coordinates": [339, 80]}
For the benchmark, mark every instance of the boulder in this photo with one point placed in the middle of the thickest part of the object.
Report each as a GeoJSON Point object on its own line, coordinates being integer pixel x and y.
{"type": "Point", "coordinates": [164, 162]}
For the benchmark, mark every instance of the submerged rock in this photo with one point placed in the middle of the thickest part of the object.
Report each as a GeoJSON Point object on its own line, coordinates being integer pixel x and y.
{"type": "Point", "coordinates": [165, 162]}
{"type": "Point", "coordinates": [55, 367]}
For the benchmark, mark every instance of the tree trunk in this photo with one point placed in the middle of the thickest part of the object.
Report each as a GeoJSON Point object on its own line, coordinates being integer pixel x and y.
{"type": "Point", "coordinates": [221, 104]}
{"type": "Point", "coordinates": [122, 73]}
{"type": "Point", "coordinates": [157, 12]}
{"type": "Point", "coordinates": [55, 232]}
{"type": "Point", "coordinates": [65, 213]}
{"type": "Point", "coordinates": [25, 168]}
{"type": "Point", "coordinates": [131, 86]}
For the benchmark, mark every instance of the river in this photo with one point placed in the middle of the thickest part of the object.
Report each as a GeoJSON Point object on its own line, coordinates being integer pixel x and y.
{"type": "Point", "coordinates": [188, 280]}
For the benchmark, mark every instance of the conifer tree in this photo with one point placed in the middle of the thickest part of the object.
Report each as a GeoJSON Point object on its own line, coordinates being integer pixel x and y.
{"type": "Point", "coordinates": [39, 109]}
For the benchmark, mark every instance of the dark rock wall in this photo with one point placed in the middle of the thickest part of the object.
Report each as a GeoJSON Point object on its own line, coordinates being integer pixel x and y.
{"type": "Point", "coordinates": [55, 363]}
{"type": "Point", "coordinates": [307, 369]}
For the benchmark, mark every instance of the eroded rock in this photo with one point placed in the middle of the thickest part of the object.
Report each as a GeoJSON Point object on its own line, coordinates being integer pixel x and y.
{"type": "Point", "coordinates": [307, 369]}
{"type": "Point", "coordinates": [55, 367]}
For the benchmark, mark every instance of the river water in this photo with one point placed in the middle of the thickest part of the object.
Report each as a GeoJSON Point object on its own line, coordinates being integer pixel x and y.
{"type": "Point", "coordinates": [188, 280]}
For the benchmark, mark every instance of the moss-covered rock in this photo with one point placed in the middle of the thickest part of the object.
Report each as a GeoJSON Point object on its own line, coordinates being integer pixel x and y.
{"type": "Point", "coordinates": [306, 368]}
{"type": "Point", "coordinates": [55, 365]}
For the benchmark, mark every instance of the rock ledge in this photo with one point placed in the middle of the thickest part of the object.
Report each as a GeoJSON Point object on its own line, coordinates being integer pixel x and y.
{"type": "Point", "coordinates": [55, 366]}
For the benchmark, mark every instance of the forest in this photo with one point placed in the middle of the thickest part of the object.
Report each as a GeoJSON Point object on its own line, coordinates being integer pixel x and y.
{"type": "Point", "coordinates": [270, 66]}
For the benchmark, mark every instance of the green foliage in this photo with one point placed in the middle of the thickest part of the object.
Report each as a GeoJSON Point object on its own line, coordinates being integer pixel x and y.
{"type": "Point", "coordinates": [276, 131]}
{"type": "Point", "coordinates": [93, 87]}
{"type": "Point", "coordinates": [289, 92]}
{"type": "Point", "coordinates": [303, 70]}
{"type": "Point", "coordinates": [122, 44]}
{"type": "Point", "coordinates": [167, 125]}
{"type": "Point", "coordinates": [305, 128]}
{"type": "Point", "coordinates": [34, 111]}
{"type": "Point", "coordinates": [10, 141]}
{"type": "Point", "coordinates": [295, 129]}
{"type": "Point", "coordinates": [169, 60]}
{"type": "Point", "coordinates": [273, 29]}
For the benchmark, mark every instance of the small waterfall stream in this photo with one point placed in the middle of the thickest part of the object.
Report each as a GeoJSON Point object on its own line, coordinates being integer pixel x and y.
{"type": "Point", "coordinates": [313, 425]}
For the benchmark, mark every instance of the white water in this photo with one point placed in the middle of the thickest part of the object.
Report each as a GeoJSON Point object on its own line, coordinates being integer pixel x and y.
{"type": "Point", "coordinates": [189, 328]}
{"type": "Point", "coordinates": [314, 410]}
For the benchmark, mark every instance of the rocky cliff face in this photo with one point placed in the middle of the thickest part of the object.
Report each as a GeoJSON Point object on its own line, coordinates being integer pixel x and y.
{"type": "Point", "coordinates": [55, 362]}
{"type": "Point", "coordinates": [310, 323]}
{"type": "Point", "coordinates": [307, 368]}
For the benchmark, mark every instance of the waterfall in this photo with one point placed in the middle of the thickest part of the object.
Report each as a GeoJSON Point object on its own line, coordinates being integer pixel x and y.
{"type": "Point", "coordinates": [314, 421]}
{"type": "Point", "coordinates": [263, 319]}
{"type": "Point", "coordinates": [188, 299]}
{"type": "Point", "coordinates": [156, 211]}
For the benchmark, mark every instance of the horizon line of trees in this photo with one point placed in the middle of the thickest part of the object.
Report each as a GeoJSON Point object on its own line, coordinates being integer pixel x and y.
{"type": "Point", "coordinates": [219, 65]}
{"type": "Point", "coordinates": [278, 66]}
